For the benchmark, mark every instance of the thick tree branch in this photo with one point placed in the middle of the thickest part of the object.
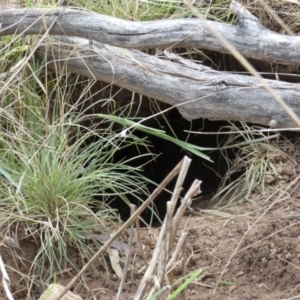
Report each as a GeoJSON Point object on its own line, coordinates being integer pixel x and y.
{"type": "Point", "coordinates": [248, 36]}
{"type": "Point", "coordinates": [197, 91]}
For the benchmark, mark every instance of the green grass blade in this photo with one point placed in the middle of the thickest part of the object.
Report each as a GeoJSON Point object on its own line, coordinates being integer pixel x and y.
{"type": "Point", "coordinates": [158, 133]}
{"type": "Point", "coordinates": [7, 176]}
{"type": "Point", "coordinates": [191, 277]}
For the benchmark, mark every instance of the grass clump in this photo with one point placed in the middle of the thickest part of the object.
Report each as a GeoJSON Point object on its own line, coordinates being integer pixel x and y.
{"type": "Point", "coordinates": [52, 164]}
{"type": "Point", "coordinates": [57, 161]}
{"type": "Point", "coordinates": [52, 168]}
{"type": "Point", "coordinates": [256, 165]}
{"type": "Point", "coordinates": [50, 189]}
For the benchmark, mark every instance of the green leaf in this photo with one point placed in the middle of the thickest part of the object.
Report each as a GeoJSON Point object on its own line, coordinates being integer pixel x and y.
{"type": "Point", "coordinates": [191, 277]}
{"type": "Point", "coordinates": [7, 176]}
{"type": "Point", "coordinates": [225, 282]}
{"type": "Point", "coordinates": [158, 133]}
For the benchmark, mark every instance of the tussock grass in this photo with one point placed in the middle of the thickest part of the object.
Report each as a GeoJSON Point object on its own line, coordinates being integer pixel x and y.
{"type": "Point", "coordinates": [51, 174]}
{"type": "Point", "coordinates": [255, 166]}
{"type": "Point", "coordinates": [53, 165]}
{"type": "Point", "coordinates": [54, 160]}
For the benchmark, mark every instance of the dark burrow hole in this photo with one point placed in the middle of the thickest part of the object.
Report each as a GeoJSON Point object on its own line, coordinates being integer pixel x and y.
{"type": "Point", "coordinates": [169, 156]}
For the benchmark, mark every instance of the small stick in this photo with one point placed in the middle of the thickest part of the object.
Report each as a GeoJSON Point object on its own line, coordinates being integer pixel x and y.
{"type": "Point", "coordinates": [186, 202]}
{"type": "Point", "coordinates": [164, 257]}
{"type": "Point", "coordinates": [171, 234]}
{"type": "Point", "coordinates": [170, 242]}
{"type": "Point", "coordinates": [153, 263]}
{"type": "Point", "coordinates": [166, 237]}
{"type": "Point", "coordinates": [121, 286]}
{"type": "Point", "coordinates": [5, 280]}
{"type": "Point", "coordinates": [174, 199]}
{"type": "Point", "coordinates": [138, 230]}
{"type": "Point", "coordinates": [155, 193]}
{"type": "Point", "coordinates": [177, 250]}
{"type": "Point", "coordinates": [184, 266]}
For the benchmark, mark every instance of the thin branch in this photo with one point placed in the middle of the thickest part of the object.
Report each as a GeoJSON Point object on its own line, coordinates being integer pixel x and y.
{"type": "Point", "coordinates": [5, 280]}
{"type": "Point", "coordinates": [121, 286]}
{"type": "Point", "coordinates": [153, 34]}
{"type": "Point", "coordinates": [132, 219]}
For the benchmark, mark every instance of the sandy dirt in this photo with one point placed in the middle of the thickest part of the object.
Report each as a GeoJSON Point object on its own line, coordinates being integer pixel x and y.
{"type": "Point", "coordinates": [248, 251]}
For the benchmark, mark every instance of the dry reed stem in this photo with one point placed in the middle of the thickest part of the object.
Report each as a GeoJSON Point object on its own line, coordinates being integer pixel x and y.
{"type": "Point", "coordinates": [138, 231]}
{"type": "Point", "coordinates": [165, 243]}
{"type": "Point", "coordinates": [174, 200]}
{"type": "Point", "coordinates": [184, 266]}
{"type": "Point", "coordinates": [168, 238]}
{"type": "Point", "coordinates": [121, 286]}
{"type": "Point", "coordinates": [132, 219]}
{"type": "Point", "coordinates": [185, 203]}
{"type": "Point", "coordinates": [194, 189]}
{"type": "Point", "coordinates": [235, 7]}
{"type": "Point", "coordinates": [159, 249]}
{"type": "Point", "coordinates": [179, 245]}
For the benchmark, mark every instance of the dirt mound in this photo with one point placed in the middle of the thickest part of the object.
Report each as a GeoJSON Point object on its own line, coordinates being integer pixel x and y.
{"type": "Point", "coordinates": [248, 251]}
{"type": "Point", "coordinates": [250, 256]}
{"type": "Point", "coordinates": [249, 261]}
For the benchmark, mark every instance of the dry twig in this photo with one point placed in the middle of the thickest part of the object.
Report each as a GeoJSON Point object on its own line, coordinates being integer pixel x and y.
{"type": "Point", "coordinates": [5, 280]}
{"type": "Point", "coordinates": [164, 254]}
{"type": "Point", "coordinates": [121, 286]}
{"type": "Point", "coordinates": [132, 219]}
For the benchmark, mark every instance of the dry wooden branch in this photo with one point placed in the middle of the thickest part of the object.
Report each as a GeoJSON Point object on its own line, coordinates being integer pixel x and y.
{"type": "Point", "coordinates": [197, 91]}
{"type": "Point", "coordinates": [248, 36]}
{"type": "Point", "coordinates": [132, 219]}
{"type": "Point", "coordinates": [128, 256]}
{"type": "Point", "coordinates": [161, 245]}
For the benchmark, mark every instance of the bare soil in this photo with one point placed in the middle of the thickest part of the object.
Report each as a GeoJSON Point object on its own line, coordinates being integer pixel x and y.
{"type": "Point", "coordinates": [248, 251]}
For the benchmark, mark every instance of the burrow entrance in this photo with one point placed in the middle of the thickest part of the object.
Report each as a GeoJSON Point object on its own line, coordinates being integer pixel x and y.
{"type": "Point", "coordinates": [169, 155]}
{"type": "Point", "coordinates": [123, 103]}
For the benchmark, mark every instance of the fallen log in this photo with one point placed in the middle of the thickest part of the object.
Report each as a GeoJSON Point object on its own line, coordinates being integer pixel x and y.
{"type": "Point", "coordinates": [249, 37]}
{"type": "Point", "coordinates": [197, 91]}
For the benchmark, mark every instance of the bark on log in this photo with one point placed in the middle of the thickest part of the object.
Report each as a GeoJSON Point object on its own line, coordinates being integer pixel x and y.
{"type": "Point", "coordinates": [248, 36]}
{"type": "Point", "coordinates": [197, 91]}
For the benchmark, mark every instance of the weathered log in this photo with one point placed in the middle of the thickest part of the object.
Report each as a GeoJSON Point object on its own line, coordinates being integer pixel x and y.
{"type": "Point", "coordinates": [195, 90]}
{"type": "Point", "coordinates": [248, 36]}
